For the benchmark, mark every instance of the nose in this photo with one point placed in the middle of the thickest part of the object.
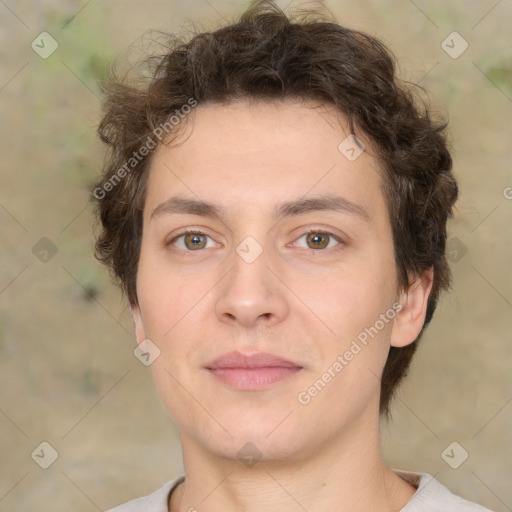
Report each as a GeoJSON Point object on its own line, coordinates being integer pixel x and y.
{"type": "Point", "coordinates": [251, 295]}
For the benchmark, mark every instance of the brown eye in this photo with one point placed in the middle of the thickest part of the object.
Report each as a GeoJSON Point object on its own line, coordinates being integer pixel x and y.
{"type": "Point", "coordinates": [191, 241]}
{"type": "Point", "coordinates": [317, 240]}
{"type": "Point", "coordinates": [194, 241]}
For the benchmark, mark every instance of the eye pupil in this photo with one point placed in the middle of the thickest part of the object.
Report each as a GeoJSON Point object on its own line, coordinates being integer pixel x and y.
{"type": "Point", "coordinates": [316, 239]}
{"type": "Point", "coordinates": [195, 241]}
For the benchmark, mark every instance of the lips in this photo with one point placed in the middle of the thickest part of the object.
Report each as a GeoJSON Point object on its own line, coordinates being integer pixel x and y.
{"type": "Point", "coordinates": [258, 360]}
{"type": "Point", "coordinates": [251, 372]}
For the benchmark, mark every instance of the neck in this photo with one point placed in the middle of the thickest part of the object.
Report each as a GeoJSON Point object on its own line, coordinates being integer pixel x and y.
{"type": "Point", "coordinates": [345, 474]}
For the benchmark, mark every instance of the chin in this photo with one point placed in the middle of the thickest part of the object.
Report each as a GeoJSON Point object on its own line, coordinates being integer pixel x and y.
{"type": "Point", "coordinates": [251, 449]}
{"type": "Point", "coordinates": [255, 437]}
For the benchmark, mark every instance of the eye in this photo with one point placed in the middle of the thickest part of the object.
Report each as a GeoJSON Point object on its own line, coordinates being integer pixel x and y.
{"type": "Point", "coordinates": [192, 241]}
{"type": "Point", "coordinates": [318, 240]}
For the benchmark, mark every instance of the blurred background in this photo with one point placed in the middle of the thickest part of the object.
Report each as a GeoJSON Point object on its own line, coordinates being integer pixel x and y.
{"type": "Point", "coordinates": [68, 375]}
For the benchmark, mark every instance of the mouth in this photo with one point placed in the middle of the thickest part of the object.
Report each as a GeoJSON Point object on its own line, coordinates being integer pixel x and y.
{"type": "Point", "coordinates": [251, 372]}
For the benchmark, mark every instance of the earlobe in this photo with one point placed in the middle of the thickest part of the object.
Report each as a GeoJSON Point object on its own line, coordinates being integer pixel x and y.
{"type": "Point", "coordinates": [409, 321]}
{"type": "Point", "coordinates": [140, 333]}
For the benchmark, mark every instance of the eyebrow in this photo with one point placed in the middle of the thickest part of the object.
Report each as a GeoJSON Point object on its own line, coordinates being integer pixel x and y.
{"type": "Point", "coordinates": [184, 205]}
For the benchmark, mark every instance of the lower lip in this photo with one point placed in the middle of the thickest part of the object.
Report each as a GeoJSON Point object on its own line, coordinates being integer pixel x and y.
{"type": "Point", "coordinates": [250, 379]}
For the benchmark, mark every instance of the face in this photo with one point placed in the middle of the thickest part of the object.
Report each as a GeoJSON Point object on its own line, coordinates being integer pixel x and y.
{"type": "Point", "coordinates": [274, 319]}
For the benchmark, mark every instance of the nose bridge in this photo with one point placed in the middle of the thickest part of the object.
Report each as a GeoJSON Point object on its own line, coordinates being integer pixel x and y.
{"type": "Point", "coordinates": [251, 293]}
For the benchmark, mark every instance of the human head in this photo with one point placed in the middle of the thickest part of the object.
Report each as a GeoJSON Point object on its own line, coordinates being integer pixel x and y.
{"type": "Point", "coordinates": [267, 56]}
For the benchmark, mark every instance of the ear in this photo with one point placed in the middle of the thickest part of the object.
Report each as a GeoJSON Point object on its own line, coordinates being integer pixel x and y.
{"type": "Point", "coordinates": [409, 320]}
{"type": "Point", "coordinates": [140, 333]}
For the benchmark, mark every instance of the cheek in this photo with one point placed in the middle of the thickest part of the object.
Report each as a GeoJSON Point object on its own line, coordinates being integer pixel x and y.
{"type": "Point", "coordinates": [349, 298]}
{"type": "Point", "coordinates": [165, 297]}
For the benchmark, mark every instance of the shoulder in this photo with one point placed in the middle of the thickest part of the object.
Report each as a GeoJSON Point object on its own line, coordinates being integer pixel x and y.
{"type": "Point", "coordinates": [155, 502]}
{"type": "Point", "coordinates": [432, 496]}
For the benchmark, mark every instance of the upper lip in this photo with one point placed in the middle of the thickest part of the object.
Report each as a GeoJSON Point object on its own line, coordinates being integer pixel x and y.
{"type": "Point", "coordinates": [257, 360]}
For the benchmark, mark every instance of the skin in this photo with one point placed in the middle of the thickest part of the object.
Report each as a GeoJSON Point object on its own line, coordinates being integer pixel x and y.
{"type": "Point", "coordinates": [301, 303]}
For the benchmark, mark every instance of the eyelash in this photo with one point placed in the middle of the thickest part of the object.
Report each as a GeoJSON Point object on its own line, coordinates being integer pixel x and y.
{"type": "Point", "coordinates": [310, 231]}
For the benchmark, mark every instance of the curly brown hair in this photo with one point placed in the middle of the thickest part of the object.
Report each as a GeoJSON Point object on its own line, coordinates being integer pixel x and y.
{"type": "Point", "coordinates": [269, 55]}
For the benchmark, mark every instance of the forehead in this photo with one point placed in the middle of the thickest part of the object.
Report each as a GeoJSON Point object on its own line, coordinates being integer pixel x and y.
{"type": "Point", "coordinates": [258, 154]}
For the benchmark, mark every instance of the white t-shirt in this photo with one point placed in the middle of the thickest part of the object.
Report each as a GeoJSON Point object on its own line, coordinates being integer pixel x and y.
{"type": "Point", "coordinates": [430, 496]}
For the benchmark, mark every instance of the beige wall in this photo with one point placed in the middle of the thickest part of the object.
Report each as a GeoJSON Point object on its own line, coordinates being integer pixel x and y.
{"type": "Point", "coordinates": [67, 372]}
